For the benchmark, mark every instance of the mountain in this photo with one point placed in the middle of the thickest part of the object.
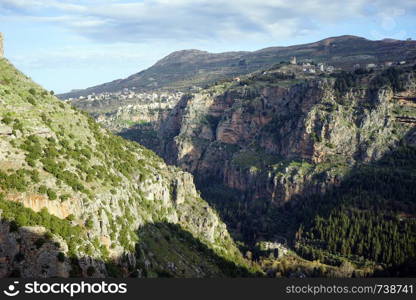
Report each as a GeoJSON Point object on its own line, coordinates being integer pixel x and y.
{"type": "Point", "coordinates": [321, 161]}
{"type": "Point", "coordinates": [185, 69]}
{"type": "Point", "coordinates": [75, 200]}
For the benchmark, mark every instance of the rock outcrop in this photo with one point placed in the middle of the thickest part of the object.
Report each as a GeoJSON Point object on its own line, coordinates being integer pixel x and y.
{"type": "Point", "coordinates": [282, 137]}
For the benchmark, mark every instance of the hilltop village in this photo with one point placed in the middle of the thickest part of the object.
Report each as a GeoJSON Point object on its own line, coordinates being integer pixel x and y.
{"type": "Point", "coordinates": [302, 68]}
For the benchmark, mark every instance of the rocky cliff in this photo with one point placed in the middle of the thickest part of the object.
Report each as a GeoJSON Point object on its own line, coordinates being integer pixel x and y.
{"type": "Point", "coordinates": [282, 151]}
{"type": "Point", "coordinates": [272, 139]}
{"type": "Point", "coordinates": [77, 201]}
{"type": "Point", "coordinates": [264, 141]}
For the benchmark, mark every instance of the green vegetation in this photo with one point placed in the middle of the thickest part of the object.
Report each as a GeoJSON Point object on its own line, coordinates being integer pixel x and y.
{"type": "Point", "coordinates": [370, 216]}
{"type": "Point", "coordinates": [39, 242]}
{"type": "Point", "coordinates": [390, 78]}
{"type": "Point", "coordinates": [257, 159]}
{"type": "Point", "coordinates": [51, 194]}
{"type": "Point", "coordinates": [22, 216]}
{"type": "Point", "coordinates": [7, 119]}
{"type": "Point", "coordinates": [368, 219]}
{"type": "Point", "coordinates": [169, 242]}
{"type": "Point", "coordinates": [89, 223]}
{"type": "Point", "coordinates": [376, 236]}
{"type": "Point", "coordinates": [345, 81]}
{"type": "Point", "coordinates": [14, 181]}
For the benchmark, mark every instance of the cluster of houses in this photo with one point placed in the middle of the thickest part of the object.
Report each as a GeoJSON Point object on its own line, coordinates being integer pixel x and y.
{"type": "Point", "coordinates": [127, 94]}
{"type": "Point", "coordinates": [278, 248]}
{"type": "Point", "coordinates": [380, 65]}
{"type": "Point", "coordinates": [308, 66]}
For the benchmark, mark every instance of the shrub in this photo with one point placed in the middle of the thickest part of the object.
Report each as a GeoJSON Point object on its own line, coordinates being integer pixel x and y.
{"type": "Point", "coordinates": [15, 181]}
{"type": "Point", "coordinates": [34, 176]}
{"type": "Point", "coordinates": [51, 194]}
{"type": "Point", "coordinates": [31, 101]}
{"type": "Point", "coordinates": [42, 189]}
{"type": "Point", "coordinates": [70, 217]}
{"type": "Point", "coordinates": [113, 270]}
{"type": "Point", "coordinates": [18, 215]}
{"type": "Point", "coordinates": [61, 257]}
{"type": "Point", "coordinates": [7, 120]}
{"type": "Point", "coordinates": [64, 197]}
{"type": "Point", "coordinates": [17, 125]}
{"type": "Point", "coordinates": [48, 236]}
{"type": "Point", "coordinates": [89, 223]}
{"type": "Point", "coordinates": [30, 162]}
{"type": "Point", "coordinates": [39, 242]}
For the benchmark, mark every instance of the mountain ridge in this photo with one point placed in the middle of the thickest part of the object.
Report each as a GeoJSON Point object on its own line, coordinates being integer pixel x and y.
{"type": "Point", "coordinates": [184, 69]}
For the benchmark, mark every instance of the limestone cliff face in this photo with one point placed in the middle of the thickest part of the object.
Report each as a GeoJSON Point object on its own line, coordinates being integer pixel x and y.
{"type": "Point", "coordinates": [276, 141]}
{"type": "Point", "coordinates": [68, 186]}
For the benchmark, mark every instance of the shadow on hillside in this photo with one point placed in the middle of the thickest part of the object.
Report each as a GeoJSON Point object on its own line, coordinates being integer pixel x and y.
{"type": "Point", "coordinates": [167, 243]}
{"type": "Point", "coordinates": [163, 250]}
{"type": "Point", "coordinates": [143, 134]}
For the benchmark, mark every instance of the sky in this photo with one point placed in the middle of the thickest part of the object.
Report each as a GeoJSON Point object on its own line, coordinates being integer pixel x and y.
{"type": "Point", "coordinates": [73, 44]}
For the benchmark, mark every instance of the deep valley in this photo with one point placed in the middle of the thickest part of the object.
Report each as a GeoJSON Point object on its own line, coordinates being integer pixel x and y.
{"type": "Point", "coordinates": [283, 162]}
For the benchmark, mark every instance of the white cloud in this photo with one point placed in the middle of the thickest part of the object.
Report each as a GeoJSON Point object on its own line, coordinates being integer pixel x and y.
{"type": "Point", "coordinates": [215, 21]}
{"type": "Point", "coordinates": [128, 35]}
{"type": "Point", "coordinates": [129, 21]}
{"type": "Point", "coordinates": [34, 5]}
